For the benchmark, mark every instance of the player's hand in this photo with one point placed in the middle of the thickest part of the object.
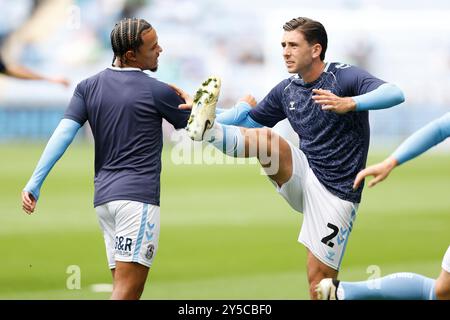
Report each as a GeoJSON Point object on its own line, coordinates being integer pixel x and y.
{"type": "Point", "coordinates": [331, 102]}
{"type": "Point", "coordinates": [379, 171]}
{"type": "Point", "coordinates": [60, 80]}
{"type": "Point", "coordinates": [249, 99]}
{"type": "Point", "coordinates": [185, 96]}
{"type": "Point", "coordinates": [28, 202]}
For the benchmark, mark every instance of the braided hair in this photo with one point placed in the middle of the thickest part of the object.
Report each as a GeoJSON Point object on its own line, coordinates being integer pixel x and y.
{"type": "Point", "coordinates": [126, 35]}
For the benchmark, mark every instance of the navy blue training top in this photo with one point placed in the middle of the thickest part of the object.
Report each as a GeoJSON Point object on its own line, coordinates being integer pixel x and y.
{"type": "Point", "coordinates": [125, 108]}
{"type": "Point", "coordinates": [336, 145]}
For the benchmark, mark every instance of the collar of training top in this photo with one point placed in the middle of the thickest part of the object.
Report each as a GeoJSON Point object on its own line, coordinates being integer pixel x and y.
{"type": "Point", "coordinates": [124, 69]}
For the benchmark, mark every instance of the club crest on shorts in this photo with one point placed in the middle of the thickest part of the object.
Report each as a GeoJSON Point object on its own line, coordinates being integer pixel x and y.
{"type": "Point", "coordinates": [150, 251]}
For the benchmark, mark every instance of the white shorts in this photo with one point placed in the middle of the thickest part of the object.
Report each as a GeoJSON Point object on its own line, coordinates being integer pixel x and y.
{"type": "Point", "coordinates": [131, 231]}
{"type": "Point", "coordinates": [446, 261]}
{"type": "Point", "coordinates": [328, 220]}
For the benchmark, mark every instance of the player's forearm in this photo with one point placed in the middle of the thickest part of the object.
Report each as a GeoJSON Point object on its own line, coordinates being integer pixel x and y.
{"type": "Point", "coordinates": [23, 73]}
{"type": "Point", "coordinates": [234, 115]}
{"type": "Point", "coordinates": [422, 140]}
{"type": "Point", "coordinates": [238, 116]}
{"type": "Point", "coordinates": [385, 96]}
{"type": "Point", "coordinates": [56, 146]}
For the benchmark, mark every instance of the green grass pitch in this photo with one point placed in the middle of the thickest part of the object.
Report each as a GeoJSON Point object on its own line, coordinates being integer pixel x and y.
{"type": "Point", "coordinates": [225, 232]}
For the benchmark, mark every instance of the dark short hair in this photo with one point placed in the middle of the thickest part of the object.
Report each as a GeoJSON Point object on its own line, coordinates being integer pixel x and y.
{"type": "Point", "coordinates": [313, 31]}
{"type": "Point", "coordinates": [126, 35]}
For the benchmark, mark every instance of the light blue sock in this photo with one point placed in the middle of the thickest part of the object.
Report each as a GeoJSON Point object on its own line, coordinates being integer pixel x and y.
{"type": "Point", "coordinates": [397, 286]}
{"type": "Point", "coordinates": [227, 139]}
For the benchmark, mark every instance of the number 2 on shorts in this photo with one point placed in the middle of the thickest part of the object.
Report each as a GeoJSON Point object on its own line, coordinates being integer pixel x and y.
{"type": "Point", "coordinates": [327, 239]}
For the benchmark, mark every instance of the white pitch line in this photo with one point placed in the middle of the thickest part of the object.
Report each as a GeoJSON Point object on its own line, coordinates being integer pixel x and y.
{"type": "Point", "coordinates": [101, 287]}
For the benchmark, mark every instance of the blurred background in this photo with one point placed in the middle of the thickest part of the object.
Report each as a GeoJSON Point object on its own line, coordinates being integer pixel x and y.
{"type": "Point", "coordinates": [405, 42]}
{"type": "Point", "coordinates": [213, 249]}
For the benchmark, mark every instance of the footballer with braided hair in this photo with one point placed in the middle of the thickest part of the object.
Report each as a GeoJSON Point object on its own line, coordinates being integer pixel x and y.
{"type": "Point", "coordinates": [124, 107]}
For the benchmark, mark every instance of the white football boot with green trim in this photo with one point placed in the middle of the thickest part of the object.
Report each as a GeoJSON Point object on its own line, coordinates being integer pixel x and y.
{"type": "Point", "coordinates": [203, 111]}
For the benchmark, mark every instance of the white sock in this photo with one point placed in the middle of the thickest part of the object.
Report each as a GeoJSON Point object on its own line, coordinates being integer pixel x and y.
{"type": "Point", "coordinates": [340, 293]}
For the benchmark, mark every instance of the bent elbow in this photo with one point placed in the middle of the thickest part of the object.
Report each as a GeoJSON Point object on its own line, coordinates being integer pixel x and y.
{"type": "Point", "coordinates": [400, 97]}
{"type": "Point", "coordinates": [397, 94]}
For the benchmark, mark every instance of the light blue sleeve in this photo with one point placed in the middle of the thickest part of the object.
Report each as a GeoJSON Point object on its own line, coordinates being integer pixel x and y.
{"type": "Point", "coordinates": [60, 140]}
{"type": "Point", "coordinates": [385, 96]}
{"type": "Point", "coordinates": [423, 139]}
{"type": "Point", "coordinates": [238, 116]}
{"type": "Point", "coordinates": [220, 110]}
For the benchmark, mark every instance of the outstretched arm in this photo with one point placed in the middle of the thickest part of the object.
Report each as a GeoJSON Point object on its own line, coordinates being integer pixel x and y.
{"type": "Point", "coordinates": [385, 96]}
{"type": "Point", "coordinates": [419, 142]}
{"type": "Point", "coordinates": [60, 140]}
{"type": "Point", "coordinates": [26, 74]}
{"type": "Point", "coordinates": [433, 133]}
